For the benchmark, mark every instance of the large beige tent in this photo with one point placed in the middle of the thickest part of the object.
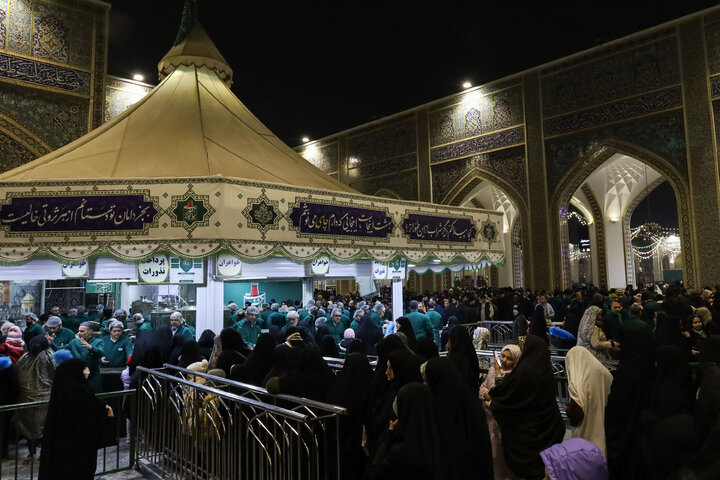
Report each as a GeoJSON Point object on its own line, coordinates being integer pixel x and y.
{"type": "Point", "coordinates": [190, 171]}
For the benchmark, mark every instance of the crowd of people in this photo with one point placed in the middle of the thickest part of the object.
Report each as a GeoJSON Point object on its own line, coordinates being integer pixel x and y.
{"type": "Point", "coordinates": [642, 366]}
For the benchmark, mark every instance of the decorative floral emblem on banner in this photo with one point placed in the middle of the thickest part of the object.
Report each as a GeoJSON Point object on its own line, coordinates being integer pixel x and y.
{"type": "Point", "coordinates": [488, 231]}
{"type": "Point", "coordinates": [262, 213]}
{"type": "Point", "coordinates": [190, 211]}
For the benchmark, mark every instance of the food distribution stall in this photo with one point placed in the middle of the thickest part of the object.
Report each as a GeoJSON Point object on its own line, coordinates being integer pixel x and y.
{"type": "Point", "coordinates": [187, 190]}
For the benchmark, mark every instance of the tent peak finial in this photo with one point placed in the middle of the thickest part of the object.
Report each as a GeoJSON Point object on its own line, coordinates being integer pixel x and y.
{"type": "Point", "coordinates": [195, 48]}
{"type": "Point", "coordinates": [190, 17]}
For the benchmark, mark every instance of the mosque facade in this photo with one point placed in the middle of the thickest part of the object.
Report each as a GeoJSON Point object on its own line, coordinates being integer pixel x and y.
{"type": "Point", "coordinates": [596, 131]}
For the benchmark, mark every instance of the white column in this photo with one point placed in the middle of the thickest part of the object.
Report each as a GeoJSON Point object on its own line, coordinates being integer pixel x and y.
{"type": "Point", "coordinates": [615, 248]}
{"type": "Point", "coordinates": [397, 298]}
{"type": "Point", "coordinates": [307, 290]}
{"type": "Point", "coordinates": [210, 302]}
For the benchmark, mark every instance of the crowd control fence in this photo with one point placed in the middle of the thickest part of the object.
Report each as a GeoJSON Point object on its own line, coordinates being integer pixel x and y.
{"type": "Point", "coordinates": [193, 425]}
{"type": "Point", "coordinates": [117, 452]}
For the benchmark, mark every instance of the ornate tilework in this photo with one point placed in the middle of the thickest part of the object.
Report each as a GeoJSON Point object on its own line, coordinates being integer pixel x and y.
{"type": "Point", "coordinates": [323, 156]}
{"type": "Point", "coordinates": [517, 253]}
{"type": "Point", "coordinates": [622, 110]}
{"type": "Point", "coordinates": [504, 138]}
{"type": "Point", "coordinates": [473, 123]}
{"type": "Point", "coordinates": [599, 240]}
{"type": "Point", "coordinates": [3, 27]}
{"type": "Point", "coordinates": [475, 113]}
{"type": "Point", "coordinates": [18, 25]}
{"type": "Point", "coordinates": [378, 142]}
{"type": "Point", "coordinates": [98, 103]}
{"type": "Point", "coordinates": [604, 87]}
{"type": "Point", "coordinates": [57, 119]}
{"type": "Point", "coordinates": [381, 168]}
{"type": "Point", "coordinates": [49, 40]}
{"type": "Point", "coordinates": [715, 87]}
{"type": "Point", "coordinates": [120, 94]}
{"type": "Point", "coordinates": [647, 73]}
{"type": "Point", "coordinates": [662, 134]}
{"type": "Point", "coordinates": [447, 129]}
{"type": "Point", "coordinates": [507, 164]}
{"type": "Point", "coordinates": [12, 153]}
{"type": "Point", "coordinates": [45, 74]}
{"type": "Point", "coordinates": [712, 36]}
{"type": "Point", "coordinates": [502, 117]}
{"type": "Point", "coordinates": [630, 69]}
{"type": "Point", "coordinates": [404, 185]}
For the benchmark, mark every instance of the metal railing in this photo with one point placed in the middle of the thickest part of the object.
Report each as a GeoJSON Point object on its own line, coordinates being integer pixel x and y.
{"type": "Point", "coordinates": [117, 454]}
{"type": "Point", "coordinates": [193, 425]}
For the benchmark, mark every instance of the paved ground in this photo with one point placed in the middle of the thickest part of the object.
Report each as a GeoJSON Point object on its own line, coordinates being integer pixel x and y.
{"type": "Point", "coordinates": [110, 458]}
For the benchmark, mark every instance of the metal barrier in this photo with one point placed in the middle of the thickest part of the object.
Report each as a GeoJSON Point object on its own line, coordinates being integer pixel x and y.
{"type": "Point", "coordinates": [500, 331]}
{"type": "Point", "coordinates": [118, 453]}
{"type": "Point", "coordinates": [193, 425]}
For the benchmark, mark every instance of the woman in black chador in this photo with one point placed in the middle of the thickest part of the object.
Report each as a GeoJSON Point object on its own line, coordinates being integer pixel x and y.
{"type": "Point", "coordinates": [73, 426]}
{"type": "Point", "coordinates": [525, 409]}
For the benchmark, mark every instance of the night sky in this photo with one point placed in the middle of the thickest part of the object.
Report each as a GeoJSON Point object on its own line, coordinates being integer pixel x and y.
{"type": "Point", "coordinates": [317, 68]}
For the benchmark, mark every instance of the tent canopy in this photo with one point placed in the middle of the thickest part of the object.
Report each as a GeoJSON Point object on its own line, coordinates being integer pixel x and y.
{"type": "Point", "coordinates": [190, 125]}
{"type": "Point", "coordinates": [191, 171]}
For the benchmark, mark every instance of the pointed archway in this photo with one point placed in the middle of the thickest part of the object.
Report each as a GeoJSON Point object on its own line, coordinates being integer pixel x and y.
{"type": "Point", "coordinates": [581, 172]}
{"type": "Point", "coordinates": [481, 189]}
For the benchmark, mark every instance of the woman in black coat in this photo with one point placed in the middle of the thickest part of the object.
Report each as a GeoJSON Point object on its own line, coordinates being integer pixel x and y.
{"type": "Point", "coordinates": [73, 426]}
{"type": "Point", "coordinates": [462, 351]}
{"type": "Point", "coordinates": [526, 411]}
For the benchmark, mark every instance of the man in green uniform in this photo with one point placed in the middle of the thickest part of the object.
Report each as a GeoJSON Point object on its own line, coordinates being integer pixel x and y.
{"type": "Point", "coordinates": [233, 312]}
{"type": "Point", "coordinates": [265, 313]}
{"type": "Point", "coordinates": [248, 326]}
{"type": "Point", "coordinates": [420, 323]}
{"type": "Point", "coordinates": [71, 320]}
{"type": "Point", "coordinates": [292, 319]}
{"type": "Point", "coordinates": [59, 336]}
{"type": "Point", "coordinates": [177, 327]}
{"type": "Point", "coordinates": [142, 325]}
{"type": "Point", "coordinates": [117, 347]}
{"type": "Point", "coordinates": [335, 327]}
{"type": "Point", "coordinates": [435, 320]}
{"type": "Point", "coordinates": [377, 313]}
{"type": "Point", "coordinates": [94, 315]}
{"type": "Point", "coordinates": [357, 315]}
{"type": "Point", "coordinates": [277, 317]}
{"type": "Point", "coordinates": [89, 349]}
{"type": "Point", "coordinates": [32, 328]}
{"type": "Point", "coordinates": [81, 314]}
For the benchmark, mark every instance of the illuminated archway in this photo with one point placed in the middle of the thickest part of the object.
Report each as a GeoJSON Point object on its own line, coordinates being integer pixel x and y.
{"type": "Point", "coordinates": [615, 197]}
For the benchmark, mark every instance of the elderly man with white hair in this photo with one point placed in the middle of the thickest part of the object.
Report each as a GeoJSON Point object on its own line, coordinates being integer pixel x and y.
{"type": "Point", "coordinates": [177, 325]}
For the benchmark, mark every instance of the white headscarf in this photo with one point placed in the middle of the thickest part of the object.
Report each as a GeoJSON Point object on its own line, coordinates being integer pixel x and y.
{"type": "Point", "coordinates": [589, 385]}
{"type": "Point", "coordinates": [587, 325]}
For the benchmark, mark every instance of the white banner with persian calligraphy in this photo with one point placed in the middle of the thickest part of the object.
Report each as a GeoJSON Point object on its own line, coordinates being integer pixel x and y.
{"type": "Point", "coordinates": [198, 217]}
